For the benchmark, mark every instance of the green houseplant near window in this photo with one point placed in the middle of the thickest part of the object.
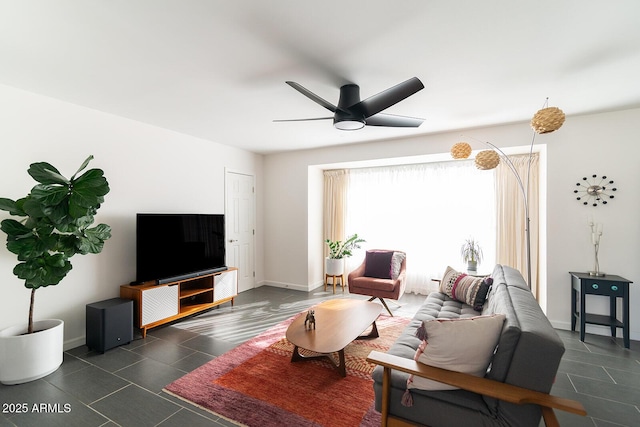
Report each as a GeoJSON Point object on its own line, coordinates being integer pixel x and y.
{"type": "Point", "coordinates": [471, 253]}
{"type": "Point", "coordinates": [338, 250]}
{"type": "Point", "coordinates": [56, 218]}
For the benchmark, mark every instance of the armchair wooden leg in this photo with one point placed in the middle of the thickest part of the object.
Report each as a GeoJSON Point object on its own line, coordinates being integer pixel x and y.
{"type": "Point", "coordinates": [383, 303]}
{"type": "Point", "coordinates": [386, 306]}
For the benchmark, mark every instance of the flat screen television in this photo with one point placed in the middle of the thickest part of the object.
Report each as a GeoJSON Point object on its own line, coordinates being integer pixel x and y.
{"type": "Point", "coordinates": [171, 247]}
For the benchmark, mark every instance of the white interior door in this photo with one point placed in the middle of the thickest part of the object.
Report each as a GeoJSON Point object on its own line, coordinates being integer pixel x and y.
{"type": "Point", "coordinates": [240, 227]}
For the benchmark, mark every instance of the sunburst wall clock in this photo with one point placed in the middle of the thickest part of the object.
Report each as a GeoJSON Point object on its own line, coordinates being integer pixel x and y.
{"type": "Point", "coordinates": [595, 190]}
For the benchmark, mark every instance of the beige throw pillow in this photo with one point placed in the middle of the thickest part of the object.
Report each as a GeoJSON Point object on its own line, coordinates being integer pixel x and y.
{"type": "Point", "coordinates": [462, 345]}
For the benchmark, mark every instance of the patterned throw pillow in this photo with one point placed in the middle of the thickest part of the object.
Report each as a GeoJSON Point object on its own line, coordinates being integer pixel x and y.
{"type": "Point", "coordinates": [461, 345]}
{"type": "Point", "coordinates": [467, 289]}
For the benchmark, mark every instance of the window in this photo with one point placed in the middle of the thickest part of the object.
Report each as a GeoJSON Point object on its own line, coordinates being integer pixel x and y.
{"type": "Point", "coordinates": [426, 210]}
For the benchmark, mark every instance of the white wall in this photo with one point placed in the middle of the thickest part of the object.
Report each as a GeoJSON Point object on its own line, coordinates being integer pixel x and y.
{"type": "Point", "coordinates": [149, 170]}
{"type": "Point", "coordinates": [602, 144]}
{"type": "Point", "coordinates": [599, 143]}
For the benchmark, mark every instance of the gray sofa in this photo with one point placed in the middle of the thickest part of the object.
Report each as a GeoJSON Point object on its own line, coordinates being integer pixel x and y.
{"type": "Point", "coordinates": [527, 356]}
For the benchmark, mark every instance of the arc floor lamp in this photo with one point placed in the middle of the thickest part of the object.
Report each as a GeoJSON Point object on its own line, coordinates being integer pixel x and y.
{"type": "Point", "coordinates": [546, 120]}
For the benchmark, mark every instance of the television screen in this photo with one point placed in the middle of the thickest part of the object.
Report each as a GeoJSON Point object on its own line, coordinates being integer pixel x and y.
{"type": "Point", "coordinates": [176, 246]}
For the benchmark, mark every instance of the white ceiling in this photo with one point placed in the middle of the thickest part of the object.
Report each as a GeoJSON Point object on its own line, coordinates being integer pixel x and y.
{"type": "Point", "coordinates": [217, 69]}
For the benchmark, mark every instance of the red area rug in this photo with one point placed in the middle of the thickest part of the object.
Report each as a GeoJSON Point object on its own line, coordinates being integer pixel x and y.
{"type": "Point", "coordinates": [256, 384]}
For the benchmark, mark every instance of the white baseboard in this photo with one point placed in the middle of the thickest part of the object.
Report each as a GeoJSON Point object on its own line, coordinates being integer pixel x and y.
{"type": "Point", "coordinates": [293, 286]}
{"type": "Point", "coordinates": [74, 342]}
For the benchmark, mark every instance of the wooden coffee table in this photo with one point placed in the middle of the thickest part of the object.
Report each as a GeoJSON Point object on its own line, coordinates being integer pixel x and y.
{"type": "Point", "coordinates": [338, 322]}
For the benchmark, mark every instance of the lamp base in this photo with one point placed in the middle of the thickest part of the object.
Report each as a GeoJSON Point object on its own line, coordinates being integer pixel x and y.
{"type": "Point", "coordinates": [597, 273]}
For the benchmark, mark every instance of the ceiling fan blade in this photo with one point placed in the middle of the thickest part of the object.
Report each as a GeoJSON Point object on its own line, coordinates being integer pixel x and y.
{"type": "Point", "coordinates": [391, 120]}
{"type": "Point", "coordinates": [303, 120]}
{"type": "Point", "coordinates": [385, 99]}
{"type": "Point", "coordinates": [312, 96]}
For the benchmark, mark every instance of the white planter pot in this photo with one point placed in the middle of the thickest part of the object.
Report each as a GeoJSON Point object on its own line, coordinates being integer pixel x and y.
{"type": "Point", "coordinates": [334, 267]}
{"type": "Point", "coordinates": [27, 357]}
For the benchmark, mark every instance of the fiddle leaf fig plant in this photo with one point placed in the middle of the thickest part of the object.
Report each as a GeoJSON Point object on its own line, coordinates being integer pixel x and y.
{"type": "Point", "coordinates": [56, 218]}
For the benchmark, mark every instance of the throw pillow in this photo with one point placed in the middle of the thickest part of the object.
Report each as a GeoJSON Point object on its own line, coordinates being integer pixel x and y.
{"type": "Point", "coordinates": [462, 345]}
{"type": "Point", "coordinates": [467, 289]}
{"type": "Point", "coordinates": [396, 263]}
{"type": "Point", "coordinates": [378, 264]}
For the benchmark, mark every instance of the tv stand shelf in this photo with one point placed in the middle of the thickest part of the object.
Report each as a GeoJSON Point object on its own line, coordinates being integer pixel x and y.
{"type": "Point", "coordinates": [185, 294]}
{"type": "Point", "coordinates": [156, 305]}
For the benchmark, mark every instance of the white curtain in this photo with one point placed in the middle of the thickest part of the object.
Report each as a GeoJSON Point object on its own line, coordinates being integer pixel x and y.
{"type": "Point", "coordinates": [335, 199]}
{"type": "Point", "coordinates": [511, 215]}
{"type": "Point", "coordinates": [426, 210]}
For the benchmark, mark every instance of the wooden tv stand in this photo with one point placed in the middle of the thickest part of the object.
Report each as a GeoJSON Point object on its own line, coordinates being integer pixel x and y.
{"type": "Point", "coordinates": [156, 305]}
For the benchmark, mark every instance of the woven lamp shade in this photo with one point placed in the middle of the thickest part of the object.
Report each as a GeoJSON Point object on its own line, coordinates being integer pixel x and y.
{"type": "Point", "coordinates": [487, 159]}
{"type": "Point", "coordinates": [460, 150]}
{"type": "Point", "coordinates": [547, 120]}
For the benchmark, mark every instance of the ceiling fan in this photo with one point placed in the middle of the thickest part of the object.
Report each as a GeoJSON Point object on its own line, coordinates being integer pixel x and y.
{"type": "Point", "coordinates": [351, 113]}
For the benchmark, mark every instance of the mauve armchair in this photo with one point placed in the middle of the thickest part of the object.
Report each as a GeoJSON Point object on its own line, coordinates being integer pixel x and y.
{"type": "Point", "coordinates": [381, 275]}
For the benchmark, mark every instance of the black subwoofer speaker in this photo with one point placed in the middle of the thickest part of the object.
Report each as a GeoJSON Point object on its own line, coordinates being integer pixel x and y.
{"type": "Point", "coordinates": [109, 324]}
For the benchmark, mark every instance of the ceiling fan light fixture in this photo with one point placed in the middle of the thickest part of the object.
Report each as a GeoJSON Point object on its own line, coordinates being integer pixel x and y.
{"type": "Point", "coordinates": [349, 124]}
{"type": "Point", "coordinates": [352, 114]}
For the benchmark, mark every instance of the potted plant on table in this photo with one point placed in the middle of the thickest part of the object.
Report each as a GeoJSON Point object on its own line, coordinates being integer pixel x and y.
{"type": "Point", "coordinates": [338, 251]}
{"type": "Point", "coordinates": [56, 218]}
{"type": "Point", "coordinates": [471, 253]}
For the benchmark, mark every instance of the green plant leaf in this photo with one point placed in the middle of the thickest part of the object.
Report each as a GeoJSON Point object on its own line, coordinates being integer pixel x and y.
{"type": "Point", "coordinates": [82, 166]}
{"type": "Point", "coordinates": [14, 229]}
{"type": "Point", "coordinates": [32, 208]}
{"type": "Point", "coordinates": [76, 210]}
{"type": "Point", "coordinates": [66, 244]}
{"type": "Point", "coordinates": [49, 194]}
{"type": "Point", "coordinates": [94, 238]}
{"type": "Point", "coordinates": [92, 179]}
{"type": "Point", "coordinates": [28, 248]}
{"type": "Point", "coordinates": [88, 192]}
{"type": "Point", "coordinates": [43, 271]}
{"type": "Point", "coordinates": [59, 216]}
{"type": "Point", "coordinates": [45, 173]}
{"type": "Point", "coordinates": [11, 206]}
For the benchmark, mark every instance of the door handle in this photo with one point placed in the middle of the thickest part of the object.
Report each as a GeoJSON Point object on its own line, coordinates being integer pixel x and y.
{"type": "Point", "coordinates": [233, 240]}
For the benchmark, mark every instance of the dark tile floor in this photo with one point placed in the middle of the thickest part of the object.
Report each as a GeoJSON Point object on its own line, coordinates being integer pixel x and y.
{"type": "Point", "coordinates": [124, 385]}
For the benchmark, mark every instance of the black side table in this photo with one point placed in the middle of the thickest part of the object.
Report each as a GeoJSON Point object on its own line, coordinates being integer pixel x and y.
{"type": "Point", "coordinates": [610, 285]}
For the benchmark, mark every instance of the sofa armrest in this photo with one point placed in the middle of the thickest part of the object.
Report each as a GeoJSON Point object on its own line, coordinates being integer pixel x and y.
{"type": "Point", "coordinates": [484, 386]}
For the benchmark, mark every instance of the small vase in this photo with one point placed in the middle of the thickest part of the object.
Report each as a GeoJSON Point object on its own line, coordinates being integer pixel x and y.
{"type": "Point", "coordinates": [472, 265]}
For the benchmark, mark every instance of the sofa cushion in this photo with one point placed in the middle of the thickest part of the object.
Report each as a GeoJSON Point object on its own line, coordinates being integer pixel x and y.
{"type": "Point", "coordinates": [378, 264]}
{"type": "Point", "coordinates": [462, 345]}
{"type": "Point", "coordinates": [468, 289]}
{"type": "Point", "coordinates": [441, 306]}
